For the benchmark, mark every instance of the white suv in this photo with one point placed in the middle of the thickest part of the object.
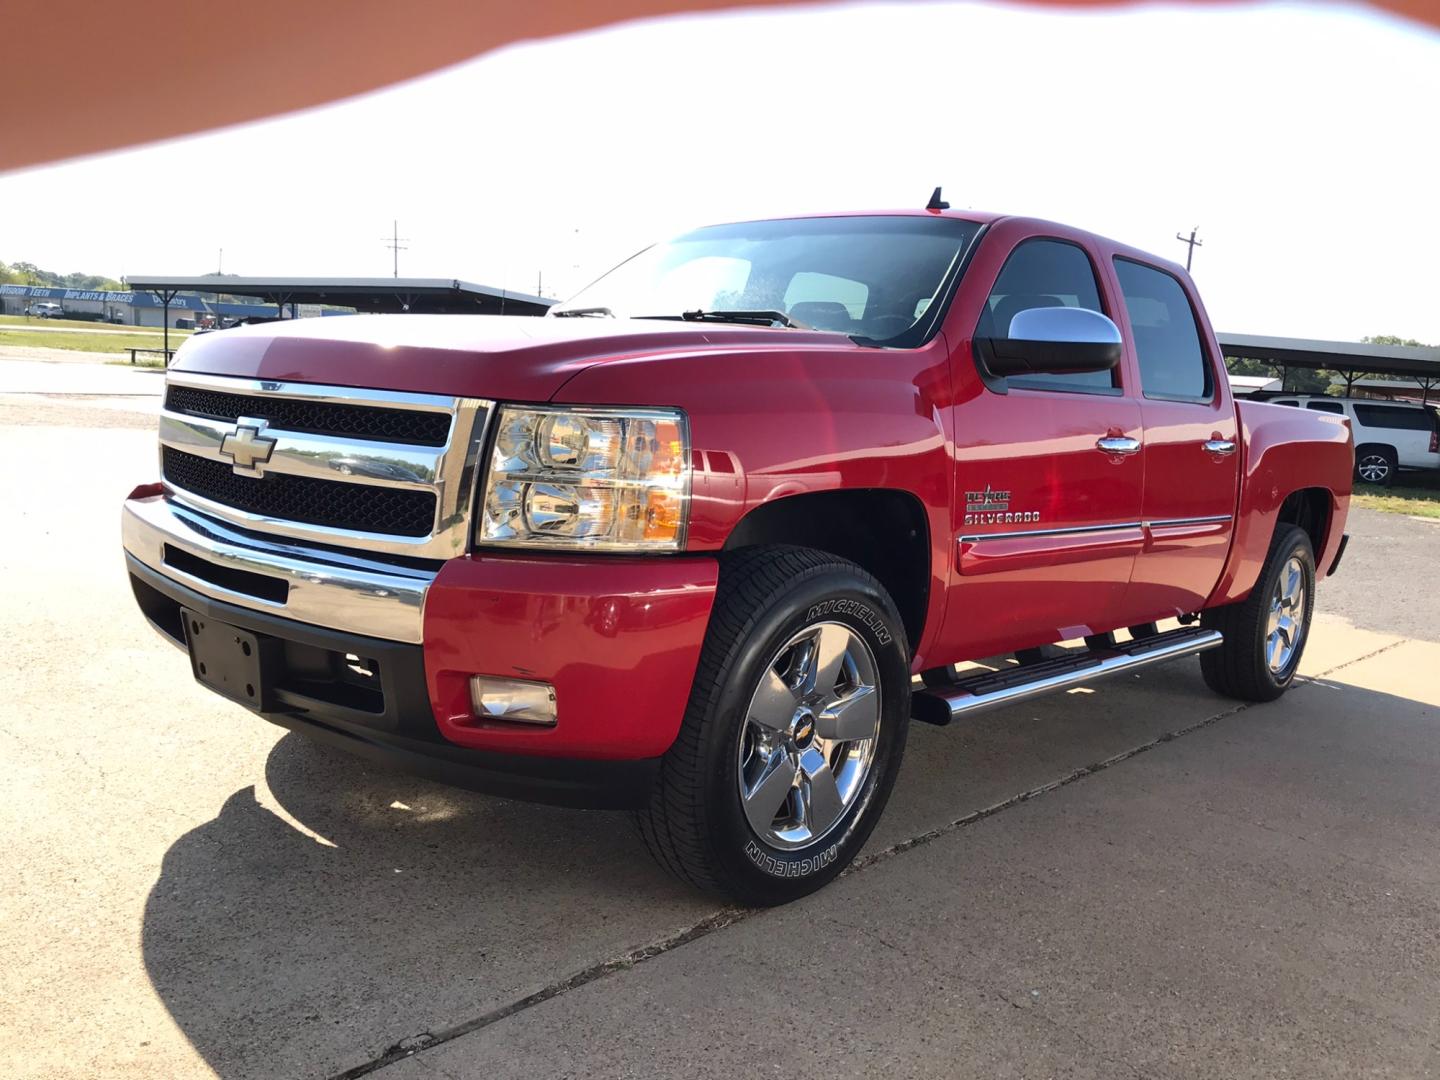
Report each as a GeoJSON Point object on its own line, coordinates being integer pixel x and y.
{"type": "Point", "coordinates": [1389, 436]}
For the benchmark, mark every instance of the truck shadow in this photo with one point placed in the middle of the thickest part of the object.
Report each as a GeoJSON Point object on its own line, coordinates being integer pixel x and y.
{"type": "Point", "coordinates": [321, 919]}
{"type": "Point", "coordinates": [321, 912]}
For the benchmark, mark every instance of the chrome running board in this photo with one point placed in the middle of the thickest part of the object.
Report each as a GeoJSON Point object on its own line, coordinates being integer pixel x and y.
{"type": "Point", "coordinates": [990, 689]}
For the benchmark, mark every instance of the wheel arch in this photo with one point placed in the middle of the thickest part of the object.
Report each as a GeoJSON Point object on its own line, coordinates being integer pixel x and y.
{"type": "Point", "coordinates": [1311, 509]}
{"type": "Point", "coordinates": [1297, 469]}
{"type": "Point", "coordinates": [1375, 444]}
{"type": "Point", "coordinates": [883, 530]}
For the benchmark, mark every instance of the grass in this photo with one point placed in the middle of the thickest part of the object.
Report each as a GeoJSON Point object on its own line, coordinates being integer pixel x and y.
{"type": "Point", "coordinates": [1417, 494]}
{"type": "Point", "coordinates": [99, 343]}
{"type": "Point", "coordinates": [7, 321]}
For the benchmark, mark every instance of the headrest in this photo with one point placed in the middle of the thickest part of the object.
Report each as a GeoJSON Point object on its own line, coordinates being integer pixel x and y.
{"type": "Point", "coordinates": [822, 314]}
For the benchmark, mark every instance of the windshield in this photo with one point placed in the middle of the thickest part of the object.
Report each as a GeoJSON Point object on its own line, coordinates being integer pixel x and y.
{"type": "Point", "coordinates": [871, 277]}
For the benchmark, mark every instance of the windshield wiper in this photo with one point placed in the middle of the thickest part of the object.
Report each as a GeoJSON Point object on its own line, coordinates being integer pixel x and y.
{"type": "Point", "coordinates": [758, 317]}
{"type": "Point", "coordinates": [577, 311]}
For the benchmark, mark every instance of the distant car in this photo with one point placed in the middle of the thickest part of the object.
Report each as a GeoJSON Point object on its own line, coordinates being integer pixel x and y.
{"type": "Point", "coordinates": [1389, 435]}
{"type": "Point", "coordinates": [47, 311]}
{"type": "Point", "coordinates": [225, 324]}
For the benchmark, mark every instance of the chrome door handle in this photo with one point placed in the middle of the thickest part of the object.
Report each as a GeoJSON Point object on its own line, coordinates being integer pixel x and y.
{"type": "Point", "coordinates": [1118, 444]}
{"type": "Point", "coordinates": [1219, 446]}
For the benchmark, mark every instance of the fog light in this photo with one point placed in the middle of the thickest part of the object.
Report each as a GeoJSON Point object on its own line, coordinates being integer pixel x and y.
{"type": "Point", "coordinates": [512, 699]}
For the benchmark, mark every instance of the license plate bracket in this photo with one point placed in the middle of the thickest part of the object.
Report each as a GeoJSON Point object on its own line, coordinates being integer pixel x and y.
{"type": "Point", "coordinates": [233, 662]}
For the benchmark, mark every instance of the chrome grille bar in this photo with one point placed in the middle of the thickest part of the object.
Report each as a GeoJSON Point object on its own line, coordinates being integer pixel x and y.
{"type": "Point", "coordinates": [322, 457]}
{"type": "Point", "coordinates": [447, 471]}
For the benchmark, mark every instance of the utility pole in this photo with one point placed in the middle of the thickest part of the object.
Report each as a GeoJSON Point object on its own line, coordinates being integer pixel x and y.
{"type": "Point", "coordinates": [220, 269]}
{"type": "Point", "coordinates": [1190, 252]}
{"type": "Point", "coordinates": [394, 243]}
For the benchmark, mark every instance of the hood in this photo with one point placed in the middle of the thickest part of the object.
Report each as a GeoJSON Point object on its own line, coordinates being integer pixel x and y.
{"type": "Point", "coordinates": [506, 357]}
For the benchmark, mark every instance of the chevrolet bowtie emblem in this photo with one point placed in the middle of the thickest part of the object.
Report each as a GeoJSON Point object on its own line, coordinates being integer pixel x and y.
{"type": "Point", "coordinates": [247, 447]}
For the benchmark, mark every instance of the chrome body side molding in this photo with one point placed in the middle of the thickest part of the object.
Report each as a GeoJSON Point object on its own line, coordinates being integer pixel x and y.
{"type": "Point", "coordinates": [1077, 530]}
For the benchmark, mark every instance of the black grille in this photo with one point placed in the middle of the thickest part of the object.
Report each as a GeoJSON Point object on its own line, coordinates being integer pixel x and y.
{"type": "Point", "coordinates": [393, 511]}
{"type": "Point", "coordinates": [316, 417]}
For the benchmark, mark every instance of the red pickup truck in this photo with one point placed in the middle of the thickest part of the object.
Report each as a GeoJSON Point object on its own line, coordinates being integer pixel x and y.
{"type": "Point", "coordinates": [704, 540]}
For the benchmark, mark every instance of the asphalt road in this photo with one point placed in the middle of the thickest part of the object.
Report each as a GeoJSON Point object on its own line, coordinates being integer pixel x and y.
{"type": "Point", "coordinates": [1387, 580]}
{"type": "Point", "coordinates": [1138, 880]}
{"type": "Point", "coordinates": [50, 387]}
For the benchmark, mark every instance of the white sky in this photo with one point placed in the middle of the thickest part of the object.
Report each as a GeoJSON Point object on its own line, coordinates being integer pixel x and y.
{"type": "Point", "coordinates": [1304, 141]}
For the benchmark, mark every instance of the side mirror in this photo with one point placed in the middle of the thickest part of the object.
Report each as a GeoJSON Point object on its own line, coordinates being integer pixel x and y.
{"type": "Point", "coordinates": [1053, 341]}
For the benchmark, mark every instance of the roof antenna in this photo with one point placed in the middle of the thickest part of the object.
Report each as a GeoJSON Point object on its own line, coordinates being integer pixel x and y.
{"type": "Point", "coordinates": [936, 202]}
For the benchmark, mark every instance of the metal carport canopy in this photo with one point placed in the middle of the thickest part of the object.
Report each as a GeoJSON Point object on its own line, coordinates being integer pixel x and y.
{"type": "Point", "coordinates": [1351, 358]}
{"type": "Point", "coordinates": [427, 295]}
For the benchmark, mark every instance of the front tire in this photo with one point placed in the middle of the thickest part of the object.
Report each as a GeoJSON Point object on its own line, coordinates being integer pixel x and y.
{"type": "Point", "coordinates": [794, 732]}
{"type": "Point", "coordinates": [1266, 633]}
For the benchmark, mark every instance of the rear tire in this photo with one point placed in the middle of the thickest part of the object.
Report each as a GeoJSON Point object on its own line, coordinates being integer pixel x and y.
{"type": "Point", "coordinates": [772, 787]}
{"type": "Point", "coordinates": [1376, 465]}
{"type": "Point", "coordinates": [1265, 634]}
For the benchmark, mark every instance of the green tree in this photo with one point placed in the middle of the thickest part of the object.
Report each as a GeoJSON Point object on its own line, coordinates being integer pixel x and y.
{"type": "Point", "coordinates": [1237, 365]}
{"type": "Point", "coordinates": [27, 273]}
{"type": "Point", "coordinates": [1391, 339]}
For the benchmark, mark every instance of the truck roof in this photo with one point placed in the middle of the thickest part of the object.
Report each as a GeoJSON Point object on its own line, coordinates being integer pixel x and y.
{"type": "Point", "coordinates": [984, 217]}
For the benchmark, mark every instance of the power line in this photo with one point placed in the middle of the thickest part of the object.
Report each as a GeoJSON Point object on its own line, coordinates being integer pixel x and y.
{"type": "Point", "coordinates": [395, 244]}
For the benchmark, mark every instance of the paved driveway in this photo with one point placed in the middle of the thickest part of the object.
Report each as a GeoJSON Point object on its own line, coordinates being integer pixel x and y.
{"type": "Point", "coordinates": [1142, 879]}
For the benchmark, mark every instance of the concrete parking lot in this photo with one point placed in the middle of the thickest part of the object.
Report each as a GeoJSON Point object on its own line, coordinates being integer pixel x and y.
{"type": "Point", "coordinates": [1141, 879]}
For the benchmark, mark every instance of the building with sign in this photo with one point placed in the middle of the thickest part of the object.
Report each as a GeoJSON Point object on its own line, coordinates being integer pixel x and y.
{"type": "Point", "coordinates": [130, 308]}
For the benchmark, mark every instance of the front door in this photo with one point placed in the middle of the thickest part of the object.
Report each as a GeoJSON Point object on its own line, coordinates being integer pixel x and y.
{"type": "Point", "coordinates": [1049, 468]}
{"type": "Point", "coordinates": [1192, 450]}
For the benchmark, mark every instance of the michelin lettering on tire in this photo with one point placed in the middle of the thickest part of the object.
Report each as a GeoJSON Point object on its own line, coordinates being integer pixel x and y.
{"type": "Point", "coordinates": [786, 869]}
{"type": "Point", "coordinates": [866, 614]}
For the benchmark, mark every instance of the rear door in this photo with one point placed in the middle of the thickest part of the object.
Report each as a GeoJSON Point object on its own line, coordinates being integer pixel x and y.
{"type": "Point", "coordinates": [1192, 451]}
{"type": "Point", "coordinates": [1047, 522]}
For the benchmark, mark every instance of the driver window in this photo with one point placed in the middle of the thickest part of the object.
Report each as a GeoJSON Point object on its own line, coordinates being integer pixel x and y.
{"type": "Point", "coordinates": [1046, 273]}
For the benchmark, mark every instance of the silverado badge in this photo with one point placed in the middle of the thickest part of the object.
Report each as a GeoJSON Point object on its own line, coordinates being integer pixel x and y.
{"type": "Point", "coordinates": [991, 507]}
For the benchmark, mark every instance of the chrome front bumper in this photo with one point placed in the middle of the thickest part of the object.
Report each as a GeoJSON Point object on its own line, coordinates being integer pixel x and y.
{"type": "Point", "coordinates": [341, 591]}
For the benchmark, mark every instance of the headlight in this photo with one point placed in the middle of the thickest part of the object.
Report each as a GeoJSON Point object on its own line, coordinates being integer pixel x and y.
{"type": "Point", "coordinates": [599, 479]}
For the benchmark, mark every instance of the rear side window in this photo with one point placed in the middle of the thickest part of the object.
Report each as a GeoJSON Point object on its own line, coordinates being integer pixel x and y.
{"type": "Point", "coordinates": [1173, 364]}
{"type": "Point", "coordinates": [1326, 406]}
{"type": "Point", "coordinates": [1389, 416]}
{"type": "Point", "coordinates": [1039, 274]}
{"type": "Point", "coordinates": [1296, 404]}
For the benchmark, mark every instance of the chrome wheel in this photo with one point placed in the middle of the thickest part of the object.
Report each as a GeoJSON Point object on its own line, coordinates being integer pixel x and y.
{"type": "Point", "coordinates": [1285, 628]}
{"type": "Point", "coordinates": [1373, 468]}
{"type": "Point", "coordinates": [809, 736]}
